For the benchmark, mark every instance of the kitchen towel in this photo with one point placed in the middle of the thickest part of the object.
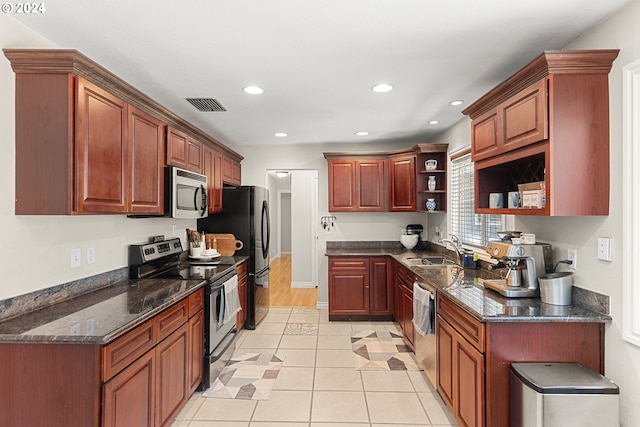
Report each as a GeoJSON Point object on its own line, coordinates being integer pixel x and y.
{"type": "Point", "coordinates": [423, 306]}
{"type": "Point", "coordinates": [231, 300]}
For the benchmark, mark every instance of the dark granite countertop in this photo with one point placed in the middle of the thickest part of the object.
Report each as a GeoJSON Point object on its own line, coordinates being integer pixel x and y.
{"type": "Point", "coordinates": [464, 288]}
{"type": "Point", "coordinates": [102, 315]}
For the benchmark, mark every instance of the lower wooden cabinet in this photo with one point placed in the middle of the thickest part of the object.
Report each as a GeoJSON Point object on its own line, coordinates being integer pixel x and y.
{"type": "Point", "coordinates": [407, 316]}
{"type": "Point", "coordinates": [403, 309]}
{"type": "Point", "coordinates": [128, 399]}
{"type": "Point", "coordinates": [359, 288]}
{"type": "Point", "coordinates": [172, 375]}
{"type": "Point", "coordinates": [460, 375]}
{"type": "Point", "coordinates": [196, 350]}
{"type": "Point", "coordinates": [474, 357]}
{"type": "Point", "coordinates": [152, 389]}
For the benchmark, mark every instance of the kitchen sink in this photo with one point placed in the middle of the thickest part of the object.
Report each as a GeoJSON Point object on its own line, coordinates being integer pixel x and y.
{"type": "Point", "coordinates": [430, 260]}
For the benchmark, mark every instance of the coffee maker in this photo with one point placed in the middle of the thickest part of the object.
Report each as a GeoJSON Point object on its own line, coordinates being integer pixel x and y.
{"type": "Point", "coordinates": [525, 264]}
{"type": "Point", "coordinates": [416, 229]}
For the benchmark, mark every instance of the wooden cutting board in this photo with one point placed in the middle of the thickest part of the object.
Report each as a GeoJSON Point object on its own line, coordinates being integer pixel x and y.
{"type": "Point", "coordinates": [226, 244]}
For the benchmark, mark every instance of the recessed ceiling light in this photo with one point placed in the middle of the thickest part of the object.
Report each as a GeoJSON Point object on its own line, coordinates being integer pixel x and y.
{"type": "Point", "coordinates": [456, 102]}
{"type": "Point", "coordinates": [362, 133]}
{"type": "Point", "coordinates": [253, 90]}
{"type": "Point", "coordinates": [434, 122]}
{"type": "Point", "coordinates": [282, 174]}
{"type": "Point", "coordinates": [280, 134]}
{"type": "Point", "coordinates": [382, 87]}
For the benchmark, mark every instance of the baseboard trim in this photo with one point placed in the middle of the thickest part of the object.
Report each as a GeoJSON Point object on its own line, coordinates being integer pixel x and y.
{"type": "Point", "coordinates": [322, 305]}
{"type": "Point", "coordinates": [302, 285]}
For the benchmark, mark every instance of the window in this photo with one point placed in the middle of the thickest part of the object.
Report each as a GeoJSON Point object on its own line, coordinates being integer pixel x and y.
{"type": "Point", "coordinates": [631, 203]}
{"type": "Point", "coordinates": [472, 229]}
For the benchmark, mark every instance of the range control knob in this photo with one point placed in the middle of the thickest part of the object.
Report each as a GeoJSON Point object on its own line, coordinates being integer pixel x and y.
{"type": "Point", "coordinates": [519, 251]}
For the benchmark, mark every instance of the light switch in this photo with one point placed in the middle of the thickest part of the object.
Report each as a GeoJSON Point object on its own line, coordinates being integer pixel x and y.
{"type": "Point", "coordinates": [604, 248]}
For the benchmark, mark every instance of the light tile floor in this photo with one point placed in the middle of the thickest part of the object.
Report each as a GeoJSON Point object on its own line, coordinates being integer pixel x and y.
{"type": "Point", "coordinates": [318, 385]}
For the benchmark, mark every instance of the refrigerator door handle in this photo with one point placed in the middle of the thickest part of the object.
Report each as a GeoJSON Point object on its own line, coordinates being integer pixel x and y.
{"type": "Point", "coordinates": [265, 216]}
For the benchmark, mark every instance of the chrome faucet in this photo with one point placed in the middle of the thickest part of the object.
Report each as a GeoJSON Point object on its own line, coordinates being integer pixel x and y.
{"type": "Point", "coordinates": [455, 243]}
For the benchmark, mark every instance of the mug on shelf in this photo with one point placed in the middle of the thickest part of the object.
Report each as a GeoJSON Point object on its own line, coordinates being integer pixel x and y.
{"type": "Point", "coordinates": [495, 200]}
{"type": "Point", "coordinates": [431, 164]}
{"type": "Point", "coordinates": [513, 199]}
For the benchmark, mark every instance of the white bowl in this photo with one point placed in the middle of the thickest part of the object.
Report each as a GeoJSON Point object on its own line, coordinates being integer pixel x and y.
{"type": "Point", "coordinates": [409, 241]}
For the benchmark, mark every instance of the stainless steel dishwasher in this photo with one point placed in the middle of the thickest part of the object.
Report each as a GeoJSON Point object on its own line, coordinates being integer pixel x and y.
{"type": "Point", "coordinates": [425, 345]}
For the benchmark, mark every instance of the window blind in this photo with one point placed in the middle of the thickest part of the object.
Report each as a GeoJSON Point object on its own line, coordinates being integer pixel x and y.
{"type": "Point", "coordinates": [471, 228]}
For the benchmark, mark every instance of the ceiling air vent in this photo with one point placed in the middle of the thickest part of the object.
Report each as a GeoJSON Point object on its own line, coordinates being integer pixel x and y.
{"type": "Point", "coordinates": [206, 104]}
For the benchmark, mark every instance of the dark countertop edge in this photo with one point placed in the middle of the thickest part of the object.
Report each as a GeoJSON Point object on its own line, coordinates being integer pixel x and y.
{"type": "Point", "coordinates": [590, 316]}
{"type": "Point", "coordinates": [102, 340]}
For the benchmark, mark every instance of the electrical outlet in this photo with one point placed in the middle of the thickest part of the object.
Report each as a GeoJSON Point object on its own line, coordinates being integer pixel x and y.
{"type": "Point", "coordinates": [91, 326]}
{"type": "Point", "coordinates": [604, 248]}
{"type": "Point", "coordinates": [572, 255]}
{"type": "Point", "coordinates": [74, 329]}
{"type": "Point", "coordinates": [91, 255]}
{"type": "Point", "coordinates": [75, 257]}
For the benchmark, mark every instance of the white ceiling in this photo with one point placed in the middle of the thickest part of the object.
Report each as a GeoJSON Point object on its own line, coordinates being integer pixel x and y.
{"type": "Point", "coordinates": [317, 59]}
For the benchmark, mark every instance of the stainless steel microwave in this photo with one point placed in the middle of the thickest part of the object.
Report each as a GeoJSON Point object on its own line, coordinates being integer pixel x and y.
{"type": "Point", "coordinates": [186, 194]}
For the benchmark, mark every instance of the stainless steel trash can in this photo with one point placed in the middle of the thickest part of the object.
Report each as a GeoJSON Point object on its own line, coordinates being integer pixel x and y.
{"type": "Point", "coordinates": [561, 395]}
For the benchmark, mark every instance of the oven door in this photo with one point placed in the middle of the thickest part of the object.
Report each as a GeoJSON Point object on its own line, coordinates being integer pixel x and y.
{"type": "Point", "coordinates": [219, 334]}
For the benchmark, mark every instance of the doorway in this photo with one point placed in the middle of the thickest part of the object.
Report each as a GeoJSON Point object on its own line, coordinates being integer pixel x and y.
{"type": "Point", "coordinates": [293, 277]}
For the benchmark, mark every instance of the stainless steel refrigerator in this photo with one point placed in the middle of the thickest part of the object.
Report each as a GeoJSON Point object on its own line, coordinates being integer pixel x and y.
{"type": "Point", "coordinates": [245, 214]}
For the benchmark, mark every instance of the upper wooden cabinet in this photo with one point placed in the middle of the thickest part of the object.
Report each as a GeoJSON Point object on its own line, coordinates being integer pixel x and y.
{"type": "Point", "coordinates": [147, 147]}
{"type": "Point", "coordinates": [231, 171]}
{"type": "Point", "coordinates": [183, 151]}
{"type": "Point", "coordinates": [521, 120]}
{"type": "Point", "coordinates": [177, 148]}
{"type": "Point", "coordinates": [88, 142]}
{"type": "Point", "coordinates": [357, 184]}
{"type": "Point", "coordinates": [101, 155]}
{"type": "Point", "coordinates": [212, 168]}
{"type": "Point", "coordinates": [402, 183]}
{"type": "Point", "coordinates": [424, 153]}
{"type": "Point", "coordinates": [80, 149]}
{"type": "Point", "coordinates": [360, 182]}
{"type": "Point", "coordinates": [548, 122]}
{"type": "Point", "coordinates": [194, 155]}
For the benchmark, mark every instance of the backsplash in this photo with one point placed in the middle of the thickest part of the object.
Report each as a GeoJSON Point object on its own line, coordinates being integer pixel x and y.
{"type": "Point", "coordinates": [26, 303]}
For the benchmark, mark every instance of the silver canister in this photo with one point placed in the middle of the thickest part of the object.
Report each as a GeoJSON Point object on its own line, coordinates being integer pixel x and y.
{"type": "Point", "coordinates": [556, 288]}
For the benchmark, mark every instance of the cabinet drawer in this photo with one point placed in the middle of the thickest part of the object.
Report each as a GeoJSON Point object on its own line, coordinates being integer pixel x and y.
{"type": "Point", "coordinates": [171, 319]}
{"type": "Point", "coordinates": [196, 302]}
{"type": "Point", "coordinates": [406, 277]}
{"type": "Point", "coordinates": [471, 329]}
{"type": "Point", "coordinates": [124, 350]}
{"type": "Point", "coordinates": [348, 263]}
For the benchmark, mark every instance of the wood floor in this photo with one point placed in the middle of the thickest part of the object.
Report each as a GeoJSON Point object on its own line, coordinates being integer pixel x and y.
{"type": "Point", "coordinates": [281, 294]}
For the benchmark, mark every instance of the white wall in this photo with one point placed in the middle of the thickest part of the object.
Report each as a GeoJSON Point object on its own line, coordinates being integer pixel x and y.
{"type": "Point", "coordinates": [620, 31]}
{"type": "Point", "coordinates": [36, 250]}
{"type": "Point", "coordinates": [303, 228]}
{"type": "Point", "coordinates": [350, 226]}
{"type": "Point", "coordinates": [285, 223]}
